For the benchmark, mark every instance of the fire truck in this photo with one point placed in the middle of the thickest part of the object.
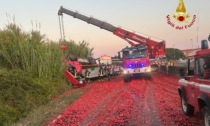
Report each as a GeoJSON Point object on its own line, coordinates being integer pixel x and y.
{"type": "Point", "coordinates": [194, 87]}
{"type": "Point", "coordinates": [136, 59]}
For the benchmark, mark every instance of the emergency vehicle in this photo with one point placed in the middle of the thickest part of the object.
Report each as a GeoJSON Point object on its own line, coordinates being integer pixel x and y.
{"type": "Point", "coordinates": [136, 59]}
{"type": "Point", "coordinates": [194, 87]}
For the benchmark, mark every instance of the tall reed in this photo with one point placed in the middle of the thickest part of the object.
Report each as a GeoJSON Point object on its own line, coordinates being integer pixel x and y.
{"type": "Point", "coordinates": [32, 53]}
{"type": "Point", "coordinates": [31, 70]}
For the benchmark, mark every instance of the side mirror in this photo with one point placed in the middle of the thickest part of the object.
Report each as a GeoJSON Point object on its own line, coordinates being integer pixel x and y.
{"type": "Point", "coordinates": [204, 44]}
{"type": "Point", "coordinates": [119, 56]}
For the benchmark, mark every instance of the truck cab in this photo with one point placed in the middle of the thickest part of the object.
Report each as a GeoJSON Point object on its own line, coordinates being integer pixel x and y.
{"type": "Point", "coordinates": [135, 62]}
{"type": "Point", "coordinates": [194, 87]}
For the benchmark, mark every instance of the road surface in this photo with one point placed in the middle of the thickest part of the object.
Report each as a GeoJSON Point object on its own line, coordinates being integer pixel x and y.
{"type": "Point", "coordinates": [140, 102]}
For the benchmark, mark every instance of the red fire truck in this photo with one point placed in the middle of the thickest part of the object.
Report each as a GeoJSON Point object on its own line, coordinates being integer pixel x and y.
{"type": "Point", "coordinates": [136, 59]}
{"type": "Point", "coordinates": [194, 89]}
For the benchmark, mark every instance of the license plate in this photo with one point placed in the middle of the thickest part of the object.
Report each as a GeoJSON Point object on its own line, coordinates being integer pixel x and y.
{"type": "Point", "coordinates": [136, 70]}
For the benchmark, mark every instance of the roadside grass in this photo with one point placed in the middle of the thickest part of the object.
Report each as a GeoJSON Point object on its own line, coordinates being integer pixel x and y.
{"type": "Point", "coordinates": [42, 115]}
{"type": "Point", "coordinates": [31, 72]}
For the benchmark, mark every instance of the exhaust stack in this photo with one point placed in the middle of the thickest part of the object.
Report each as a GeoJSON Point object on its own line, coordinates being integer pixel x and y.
{"type": "Point", "coordinates": [209, 38]}
{"type": "Point", "coordinates": [204, 44]}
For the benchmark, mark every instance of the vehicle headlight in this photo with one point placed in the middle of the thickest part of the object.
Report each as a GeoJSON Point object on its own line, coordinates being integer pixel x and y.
{"type": "Point", "coordinates": [148, 69]}
{"type": "Point", "coordinates": [81, 82]}
{"type": "Point", "coordinates": [125, 72]}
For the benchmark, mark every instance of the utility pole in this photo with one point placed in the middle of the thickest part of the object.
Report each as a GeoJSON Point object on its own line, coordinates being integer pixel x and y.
{"type": "Point", "coordinates": [192, 43]}
{"type": "Point", "coordinates": [174, 52]}
{"type": "Point", "coordinates": [197, 28]}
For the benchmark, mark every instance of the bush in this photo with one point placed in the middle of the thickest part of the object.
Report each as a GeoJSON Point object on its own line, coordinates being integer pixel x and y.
{"type": "Point", "coordinates": [19, 94]}
{"type": "Point", "coordinates": [8, 115]}
{"type": "Point", "coordinates": [80, 50]}
{"type": "Point", "coordinates": [31, 71]}
{"type": "Point", "coordinates": [29, 52]}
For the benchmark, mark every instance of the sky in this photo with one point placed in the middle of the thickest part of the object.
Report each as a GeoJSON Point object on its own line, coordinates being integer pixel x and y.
{"type": "Point", "coordinates": [147, 17]}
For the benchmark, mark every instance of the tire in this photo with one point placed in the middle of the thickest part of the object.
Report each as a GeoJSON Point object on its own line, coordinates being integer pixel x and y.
{"type": "Point", "coordinates": [187, 109]}
{"type": "Point", "coordinates": [206, 116]}
{"type": "Point", "coordinates": [72, 57]}
{"type": "Point", "coordinates": [126, 78]}
{"type": "Point", "coordinates": [149, 77]}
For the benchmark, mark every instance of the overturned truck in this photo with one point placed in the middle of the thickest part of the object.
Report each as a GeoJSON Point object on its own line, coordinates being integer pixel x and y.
{"type": "Point", "coordinates": [79, 71]}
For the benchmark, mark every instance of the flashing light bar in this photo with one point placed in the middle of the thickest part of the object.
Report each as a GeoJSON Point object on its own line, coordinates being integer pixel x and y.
{"type": "Point", "coordinates": [134, 65]}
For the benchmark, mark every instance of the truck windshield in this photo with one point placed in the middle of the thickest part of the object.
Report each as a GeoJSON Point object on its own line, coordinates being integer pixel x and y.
{"type": "Point", "coordinates": [135, 53]}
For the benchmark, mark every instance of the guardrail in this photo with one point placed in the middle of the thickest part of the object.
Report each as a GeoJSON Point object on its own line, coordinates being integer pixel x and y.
{"type": "Point", "coordinates": [172, 70]}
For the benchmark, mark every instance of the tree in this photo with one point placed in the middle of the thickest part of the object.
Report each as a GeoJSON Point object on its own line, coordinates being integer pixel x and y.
{"type": "Point", "coordinates": [174, 54]}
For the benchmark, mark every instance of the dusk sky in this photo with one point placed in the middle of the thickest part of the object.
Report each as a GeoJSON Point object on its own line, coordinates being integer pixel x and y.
{"type": "Point", "coordinates": [142, 16]}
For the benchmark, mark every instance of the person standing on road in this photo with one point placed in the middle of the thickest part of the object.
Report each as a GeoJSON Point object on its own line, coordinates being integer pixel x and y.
{"type": "Point", "coordinates": [101, 70]}
{"type": "Point", "coordinates": [108, 71]}
{"type": "Point", "coordinates": [166, 67]}
{"type": "Point", "coordinates": [87, 74]}
{"type": "Point", "coordinates": [159, 66]}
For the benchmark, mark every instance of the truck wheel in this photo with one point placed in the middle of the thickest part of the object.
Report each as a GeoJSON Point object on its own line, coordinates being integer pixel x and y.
{"type": "Point", "coordinates": [149, 77]}
{"type": "Point", "coordinates": [187, 109]}
{"type": "Point", "coordinates": [206, 116]}
{"type": "Point", "coordinates": [72, 57]}
{"type": "Point", "coordinates": [126, 78]}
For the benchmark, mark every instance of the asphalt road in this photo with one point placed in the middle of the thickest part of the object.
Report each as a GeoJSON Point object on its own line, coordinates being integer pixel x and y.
{"type": "Point", "coordinates": [140, 102]}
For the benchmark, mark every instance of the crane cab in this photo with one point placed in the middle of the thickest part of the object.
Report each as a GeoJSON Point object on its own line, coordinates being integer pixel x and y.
{"type": "Point", "coordinates": [135, 62]}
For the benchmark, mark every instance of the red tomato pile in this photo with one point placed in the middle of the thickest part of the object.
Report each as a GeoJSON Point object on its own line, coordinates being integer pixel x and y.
{"type": "Point", "coordinates": [168, 102]}
{"type": "Point", "coordinates": [139, 102]}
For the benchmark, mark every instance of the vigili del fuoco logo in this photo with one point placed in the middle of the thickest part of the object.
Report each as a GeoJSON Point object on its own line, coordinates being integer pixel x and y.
{"type": "Point", "coordinates": [180, 19]}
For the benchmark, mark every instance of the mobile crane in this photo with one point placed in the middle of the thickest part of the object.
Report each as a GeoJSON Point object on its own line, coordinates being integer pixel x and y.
{"type": "Point", "coordinates": [136, 59]}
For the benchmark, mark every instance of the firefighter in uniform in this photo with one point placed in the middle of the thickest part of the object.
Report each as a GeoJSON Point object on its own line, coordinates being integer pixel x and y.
{"type": "Point", "coordinates": [159, 66]}
{"type": "Point", "coordinates": [101, 73]}
{"type": "Point", "coordinates": [87, 74]}
{"type": "Point", "coordinates": [166, 67]}
{"type": "Point", "coordinates": [75, 73]}
{"type": "Point", "coordinates": [169, 63]}
{"type": "Point", "coordinates": [108, 70]}
{"type": "Point", "coordinates": [72, 70]}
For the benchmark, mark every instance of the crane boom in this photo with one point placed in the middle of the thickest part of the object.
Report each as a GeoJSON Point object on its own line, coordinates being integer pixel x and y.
{"type": "Point", "coordinates": [135, 59]}
{"type": "Point", "coordinates": [90, 20]}
{"type": "Point", "coordinates": [157, 48]}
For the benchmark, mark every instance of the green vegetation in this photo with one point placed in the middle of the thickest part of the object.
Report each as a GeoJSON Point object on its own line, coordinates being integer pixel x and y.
{"type": "Point", "coordinates": [42, 115]}
{"type": "Point", "coordinates": [80, 50]}
{"type": "Point", "coordinates": [174, 54]}
{"type": "Point", "coordinates": [31, 71]}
